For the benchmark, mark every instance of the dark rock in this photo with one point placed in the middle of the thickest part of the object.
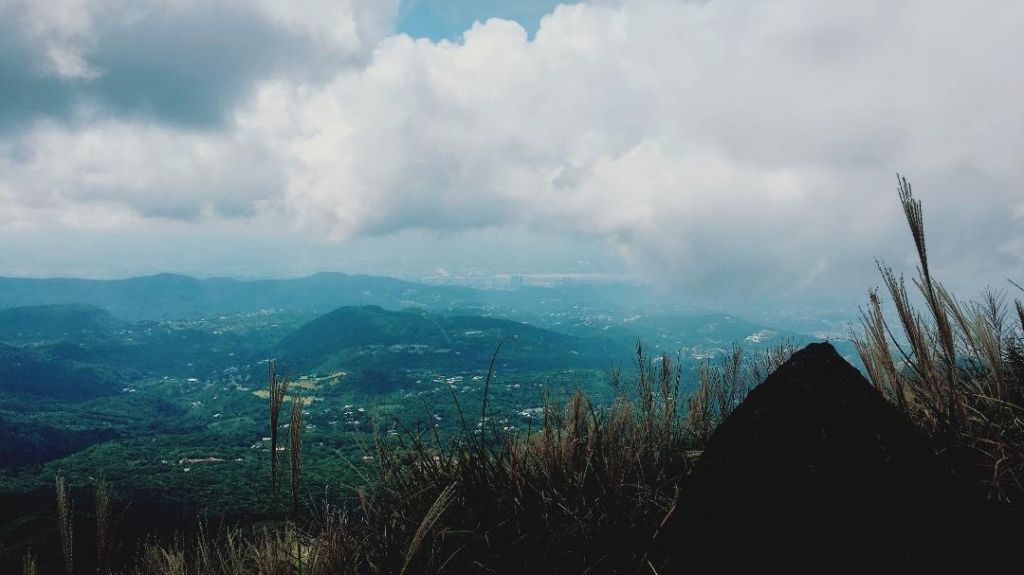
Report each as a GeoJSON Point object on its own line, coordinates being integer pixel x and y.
{"type": "Point", "coordinates": [816, 469]}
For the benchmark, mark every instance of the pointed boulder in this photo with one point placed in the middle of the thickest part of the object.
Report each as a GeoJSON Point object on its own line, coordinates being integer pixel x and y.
{"type": "Point", "coordinates": [816, 469]}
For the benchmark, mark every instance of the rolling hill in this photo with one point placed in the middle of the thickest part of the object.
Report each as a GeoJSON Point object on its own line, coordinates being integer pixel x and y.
{"type": "Point", "coordinates": [372, 337]}
{"type": "Point", "coordinates": [70, 322]}
{"type": "Point", "coordinates": [45, 373]}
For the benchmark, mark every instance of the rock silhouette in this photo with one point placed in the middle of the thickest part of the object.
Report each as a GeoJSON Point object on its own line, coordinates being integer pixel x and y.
{"type": "Point", "coordinates": [816, 469]}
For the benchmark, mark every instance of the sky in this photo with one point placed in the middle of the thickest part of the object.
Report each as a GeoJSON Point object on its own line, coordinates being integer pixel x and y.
{"type": "Point", "coordinates": [713, 147]}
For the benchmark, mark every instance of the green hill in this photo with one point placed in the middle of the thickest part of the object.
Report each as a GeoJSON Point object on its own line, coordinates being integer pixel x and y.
{"type": "Point", "coordinates": [370, 337]}
{"type": "Point", "coordinates": [68, 322]}
{"type": "Point", "coordinates": [34, 372]}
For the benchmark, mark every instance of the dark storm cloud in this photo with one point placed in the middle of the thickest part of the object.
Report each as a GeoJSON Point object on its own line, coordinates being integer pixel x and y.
{"type": "Point", "coordinates": [188, 66]}
{"type": "Point", "coordinates": [27, 93]}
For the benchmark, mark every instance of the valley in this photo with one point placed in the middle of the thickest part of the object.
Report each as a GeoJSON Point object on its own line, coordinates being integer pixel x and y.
{"type": "Point", "coordinates": [172, 413]}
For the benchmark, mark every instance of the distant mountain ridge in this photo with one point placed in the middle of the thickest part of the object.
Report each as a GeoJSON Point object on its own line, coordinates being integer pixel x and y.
{"type": "Point", "coordinates": [170, 296]}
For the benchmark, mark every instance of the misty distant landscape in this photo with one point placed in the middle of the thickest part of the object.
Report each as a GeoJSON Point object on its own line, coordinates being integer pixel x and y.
{"type": "Point", "coordinates": [386, 344]}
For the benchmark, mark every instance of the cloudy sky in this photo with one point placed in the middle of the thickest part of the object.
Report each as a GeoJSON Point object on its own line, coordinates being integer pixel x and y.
{"type": "Point", "coordinates": [715, 146]}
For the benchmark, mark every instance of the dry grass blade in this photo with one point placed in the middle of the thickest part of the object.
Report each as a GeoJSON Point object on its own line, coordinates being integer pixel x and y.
{"type": "Point", "coordinates": [295, 450]}
{"type": "Point", "coordinates": [939, 310]}
{"type": "Point", "coordinates": [874, 352]}
{"type": "Point", "coordinates": [914, 213]}
{"type": "Point", "coordinates": [102, 526]}
{"type": "Point", "coordinates": [490, 375]}
{"type": "Point", "coordinates": [278, 387]}
{"type": "Point", "coordinates": [701, 421]}
{"type": "Point", "coordinates": [441, 504]}
{"type": "Point", "coordinates": [64, 524]}
{"type": "Point", "coordinates": [1020, 312]}
{"type": "Point", "coordinates": [28, 565]}
{"type": "Point", "coordinates": [164, 561]}
{"type": "Point", "coordinates": [987, 344]}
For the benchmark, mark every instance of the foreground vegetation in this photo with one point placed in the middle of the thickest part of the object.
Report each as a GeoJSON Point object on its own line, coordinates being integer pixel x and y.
{"type": "Point", "coordinates": [547, 499]}
{"type": "Point", "coordinates": [955, 367]}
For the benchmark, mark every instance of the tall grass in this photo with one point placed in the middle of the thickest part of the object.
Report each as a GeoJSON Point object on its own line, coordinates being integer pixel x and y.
{"type": "Point", "coordinates": [295, 449]}
{"type": "Point", "coordinates": [278, 387]}
{"type": "Point", "coordinates": [102, 526]}
{"type": "Point", "coordinates": [956, 367]}
{"type": "Point", "coordinates": [64, 524]}
{"type": "Point", "coordinates": [28, 565]}
{"type": "Point", "coordinates": [550, 499]}
{"type": "Point", "coordinates": [723, 385]}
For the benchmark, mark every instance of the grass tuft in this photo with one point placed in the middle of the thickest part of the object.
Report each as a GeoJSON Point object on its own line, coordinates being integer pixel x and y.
{"type": "Point", "coordinates": [956, 368]}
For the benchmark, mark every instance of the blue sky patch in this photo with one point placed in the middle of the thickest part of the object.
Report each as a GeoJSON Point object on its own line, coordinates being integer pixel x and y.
{"type": "Point", "coordinates": [448, 19]}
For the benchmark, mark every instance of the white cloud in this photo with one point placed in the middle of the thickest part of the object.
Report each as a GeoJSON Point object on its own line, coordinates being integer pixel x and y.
{"type": "Point", "coordinates": [713, 140]}
{"type": "Point", "coordinates": [108, 170]}
{"type": "Point", "coordinates": [719, 143]}
{"type": "Point", "coordinates": [347, 26]}
{"type": "Point", "coordinates": [59, 29]}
